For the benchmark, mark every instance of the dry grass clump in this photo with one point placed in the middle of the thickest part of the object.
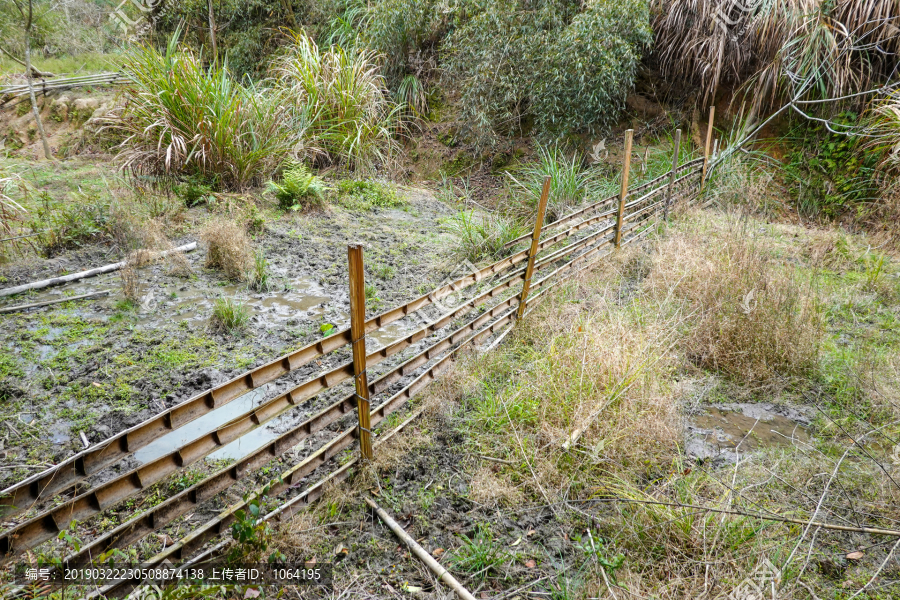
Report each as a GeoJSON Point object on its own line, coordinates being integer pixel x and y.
{"type": "Point", "coordinates": [132, 288]}
{"type": "Point", "coordinates": [751, 318]}
{"type": "Point", "coordinates": [228, 248]}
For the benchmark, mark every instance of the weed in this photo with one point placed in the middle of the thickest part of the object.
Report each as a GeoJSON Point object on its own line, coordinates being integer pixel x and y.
{"type": "Point", "coordinates": [196, 189]}
{"type": "Point", "coordinates": [132, 287]}
{"type": "Point", "coordinates": [342, 99]}
{"type": "Point", "coordinates": [479, 554]}
{"type": "Point", "coordinates": [480, 236]}
{"type": "Point", "coordinates": [229, 315]}
{"type": "Point", "coordinates": [256, 222]}
{"type": "Point", "coordinates": [752, 320]}
{"type": "Point", "coordinates": [373, 302]}
{"type": "Point", "coordinates": [299, 188]}
{"type": "Point", "coordinates": [258, 277]}
{"type": "Point", "coordinates": [385, 272]}
{"type": "Point", "coordinates": [326, 329]}
{"type": "Point", "coordinates": [71, 224]}
{"type": "Point", "coordinates": [364, 195]}
{"type": "Point", "coordinates": [228, 248]}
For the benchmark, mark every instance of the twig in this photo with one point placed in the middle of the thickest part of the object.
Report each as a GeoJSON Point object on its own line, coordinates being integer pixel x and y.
{"type": "Point", "coordinates": [776, 518]}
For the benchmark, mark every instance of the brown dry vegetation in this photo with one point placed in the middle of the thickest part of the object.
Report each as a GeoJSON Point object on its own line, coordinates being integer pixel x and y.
{"type": "Point", "coordinates": [228, 248]}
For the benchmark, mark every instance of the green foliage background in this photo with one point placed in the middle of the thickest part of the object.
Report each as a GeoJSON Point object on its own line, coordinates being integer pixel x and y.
{"type": "Point", "coordinates": [557, 66]}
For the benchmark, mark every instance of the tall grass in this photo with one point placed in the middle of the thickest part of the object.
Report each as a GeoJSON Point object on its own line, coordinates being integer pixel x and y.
{"type": "Point", "coordinates": [569, 183]}
{"type": "Point", "coordinates": [480, 236]}
{"type": "Point", "coordinates": [181, 118]}
{"type": "Point", "coordinates": [340, 97]}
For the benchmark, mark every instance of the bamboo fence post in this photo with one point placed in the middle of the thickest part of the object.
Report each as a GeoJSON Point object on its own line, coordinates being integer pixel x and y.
{"type": "Point", "coordinates": [626, 169]}
{"type": "Point", "coordinates": [358, 337]}
{"type": "Point", "coordinates": [676, 151]}
{"type": "Point", "coordinates": [709, 132]}
{"type": "Point", "coordinates": [535, 239]}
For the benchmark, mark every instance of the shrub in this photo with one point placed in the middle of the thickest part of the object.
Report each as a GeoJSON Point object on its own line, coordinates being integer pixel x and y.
{"type": "Point", "coordinates": [182, 119]}
{"type": "Point", "coordinates": [482, 236]}
{"type": "Point", "coordinates": [228, 248]}
{"type": "Point", "coordinates": [569, 183]}
{"type": "Point", "coordinates": [298, 188]}
{"type": "Point", "coordinates": [342, 101]}
{"type": "Point", "coordinates": [568, 67]}
{"type": "Point", "coordinates": [229, 315]}
{"type": "Point", "coordinates": [829, 173]}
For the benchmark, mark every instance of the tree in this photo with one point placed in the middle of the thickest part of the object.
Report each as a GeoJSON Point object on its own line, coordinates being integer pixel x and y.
{"type": "Point", "coordinates": [28, 20]}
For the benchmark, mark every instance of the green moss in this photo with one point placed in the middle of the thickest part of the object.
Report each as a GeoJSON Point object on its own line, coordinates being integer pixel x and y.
{"type": "Point", "coordinates": [9, 366]}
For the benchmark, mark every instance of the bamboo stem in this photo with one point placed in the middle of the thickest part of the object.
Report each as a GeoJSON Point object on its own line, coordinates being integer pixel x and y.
{"type": "Point", "coordinates": [420, 552]}
{"type": "Point", "coordinates": [676, 151]}
{"type": "Point", "coordinates": [12, 309]}
{"type": "Point", "coordinates": [535, 239]}
{"type": "Point", "coordinates": [626, 169]}
{"type": "Point", "coordinates": [358, 337]}
{"type": "Point", "coordinates": [36, 285]}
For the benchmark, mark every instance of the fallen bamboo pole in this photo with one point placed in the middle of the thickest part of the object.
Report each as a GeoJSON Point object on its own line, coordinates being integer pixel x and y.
{"type": "Point", "coordinates": [37, 285]}
{"type": "Point", "coordinates": [12, 309]}
{"type": "Point", "coordinates": [436, 567]}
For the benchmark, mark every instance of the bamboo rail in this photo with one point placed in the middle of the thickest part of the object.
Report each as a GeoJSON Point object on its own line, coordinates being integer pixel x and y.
{"type": "Point", "coordinates": [11, 92]}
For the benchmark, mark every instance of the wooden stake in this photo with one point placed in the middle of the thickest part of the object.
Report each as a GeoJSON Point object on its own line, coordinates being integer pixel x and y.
{"type": "Point", "coordinates": [626, 169]}
{"type": "Point", "coordinates": [358, 337]}
{"type": "Point", "coordinates": [709, 132]}
{"type": "Point", "coordinates": [532, 254]}
{"type": "Point", "coordinates": [675, 152]}
{"type": "Point", "coordinates": [420, 552]}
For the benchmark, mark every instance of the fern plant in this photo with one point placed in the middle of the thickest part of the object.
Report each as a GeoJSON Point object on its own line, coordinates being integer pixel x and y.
{"type": "Point", "coordinates": [299, 188]}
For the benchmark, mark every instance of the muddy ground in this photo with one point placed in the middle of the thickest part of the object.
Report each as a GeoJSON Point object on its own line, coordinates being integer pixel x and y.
{"type": "Point", "coordinates": [98, 367]}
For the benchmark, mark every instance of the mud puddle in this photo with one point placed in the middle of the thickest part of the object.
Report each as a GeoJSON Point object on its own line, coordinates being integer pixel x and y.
{"type": "Point", "coordinates": [721, 432]}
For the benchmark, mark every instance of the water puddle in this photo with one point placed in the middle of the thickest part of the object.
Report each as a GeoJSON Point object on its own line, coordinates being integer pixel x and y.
{"type": "Point", "coordinates": [724, 431]}
{"type": "Point", "coordinates": [203, 425]}
{"type": "Point", "coordinates": [728, 429]}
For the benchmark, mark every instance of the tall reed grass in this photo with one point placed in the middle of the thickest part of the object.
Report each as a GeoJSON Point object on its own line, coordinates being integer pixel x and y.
{"type": "Point", "coordinates": [181, 118]}
{"type": "Point", "coordinates": [342, 101]}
